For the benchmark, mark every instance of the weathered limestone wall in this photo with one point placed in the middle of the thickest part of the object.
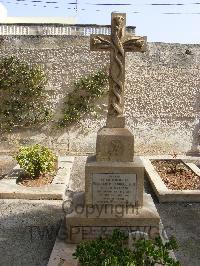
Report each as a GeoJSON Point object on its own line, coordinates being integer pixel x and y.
{"type": "Point", "coordinates": [162, 93]}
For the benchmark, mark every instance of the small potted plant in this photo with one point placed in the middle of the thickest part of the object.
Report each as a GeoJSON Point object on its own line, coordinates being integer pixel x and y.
{"type": "Point", "coordinates": [38, 163]}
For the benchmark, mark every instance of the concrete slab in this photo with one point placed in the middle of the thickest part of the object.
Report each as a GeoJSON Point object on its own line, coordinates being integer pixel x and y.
{"type": "Point", "coordinates": [54, 191]}
{"type": "Point", "coordinates": [163, 193]}
{"type": "Point", "coordinates": [62, 251]}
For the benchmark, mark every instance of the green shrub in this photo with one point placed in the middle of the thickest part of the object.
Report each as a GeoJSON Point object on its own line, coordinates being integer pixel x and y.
{"type": "Point", "coordinates": [114, 252]}
{"type": "Point", "coordinates": [36, 160]}
{"type": "Point", "coordinates": [80, 100]}
{"type": "Point", "coordinates": [22, 94]}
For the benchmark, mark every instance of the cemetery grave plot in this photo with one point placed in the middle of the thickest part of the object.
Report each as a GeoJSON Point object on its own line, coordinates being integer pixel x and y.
{"type": "Point", "coordinates": [176, 174]}
{"type": "Point", "coordinates": [173, 180]}
{"type": "Point", "coordinates": [9, 170]}
{"type": "Point", "coordinates": [15, 184]}
{"type": "Point", "coordinates": [43, 179]}
{"type": "Point", "coordinates": [177, 219]}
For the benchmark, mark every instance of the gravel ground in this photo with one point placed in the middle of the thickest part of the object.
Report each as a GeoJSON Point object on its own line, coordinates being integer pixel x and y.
{"type": "Point", "coordinates": [28, 231]}
{"type": "Point", "coordinates": [28, 228]}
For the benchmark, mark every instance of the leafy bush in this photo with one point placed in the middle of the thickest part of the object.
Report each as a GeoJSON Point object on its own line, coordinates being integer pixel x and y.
{"type": "Point", "coordinates": [114, 252]}
{"type": "Point", "coordinates": [22, 94]}
{"type": "Point", "coordinates": [36, 160]}
{"type": "Point", "coordinates": [79, 101]}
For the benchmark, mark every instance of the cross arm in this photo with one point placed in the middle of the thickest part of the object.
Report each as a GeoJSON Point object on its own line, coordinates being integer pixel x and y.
{"type": "Point", "coordinates": [100, 42]}
{"type": "Point", "coordinates": [135, 44]}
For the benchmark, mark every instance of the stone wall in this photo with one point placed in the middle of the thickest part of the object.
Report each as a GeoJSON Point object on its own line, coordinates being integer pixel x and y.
{"type": "Point", "coordinates": [162, 93]}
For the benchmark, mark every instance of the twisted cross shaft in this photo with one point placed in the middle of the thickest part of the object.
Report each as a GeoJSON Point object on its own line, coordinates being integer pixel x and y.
{"type": "Point", "coordinates": [117, 43]}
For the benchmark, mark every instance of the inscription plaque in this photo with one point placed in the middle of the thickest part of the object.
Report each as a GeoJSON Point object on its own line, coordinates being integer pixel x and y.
{"type": "Point", "coordinates": [114, 188]}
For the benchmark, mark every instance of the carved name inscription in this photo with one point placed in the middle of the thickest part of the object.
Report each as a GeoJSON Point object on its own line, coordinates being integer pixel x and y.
{"type": "Point", "coordinates": [114, 188]}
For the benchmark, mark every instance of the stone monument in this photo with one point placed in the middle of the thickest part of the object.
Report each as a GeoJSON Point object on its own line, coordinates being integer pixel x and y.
{"type": "Point", "coordinates": [114, 178]}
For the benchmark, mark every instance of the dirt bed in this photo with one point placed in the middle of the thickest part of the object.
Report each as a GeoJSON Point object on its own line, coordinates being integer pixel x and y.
{"type": "Point", "coordinates": [42, 180]}
{"type": "Point", "coordinates": [176, 175]}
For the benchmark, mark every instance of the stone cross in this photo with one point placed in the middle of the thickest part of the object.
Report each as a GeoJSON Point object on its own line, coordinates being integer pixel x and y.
{"type": "Point", "coordinates": [117, 43]}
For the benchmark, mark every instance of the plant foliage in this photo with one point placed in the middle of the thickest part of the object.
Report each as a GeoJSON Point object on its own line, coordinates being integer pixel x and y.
{"type": "Point", "coordinates": [36, 160]}
{"type": "Point", "coordinates": [80, 100]}
{"type": "Point", "coordinates": [22, 94]}
{"type": "Point", "coordinates": [114, 252]}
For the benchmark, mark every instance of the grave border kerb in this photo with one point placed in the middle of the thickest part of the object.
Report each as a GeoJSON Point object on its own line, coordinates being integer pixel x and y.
{"type": "Point", "coordinates": [162, 192]}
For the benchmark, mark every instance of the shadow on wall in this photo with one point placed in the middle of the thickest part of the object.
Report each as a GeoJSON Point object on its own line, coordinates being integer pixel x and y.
{"type": "Point", "coordinates": [195, 148]}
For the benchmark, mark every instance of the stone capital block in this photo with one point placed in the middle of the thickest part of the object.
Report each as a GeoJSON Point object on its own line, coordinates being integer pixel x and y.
{"type": "Point", "coordinates": [116, 183]}
{"type": "Point", "coordinates": [115, 145]}
{"type": "Point", "coordinates": [115, 121]}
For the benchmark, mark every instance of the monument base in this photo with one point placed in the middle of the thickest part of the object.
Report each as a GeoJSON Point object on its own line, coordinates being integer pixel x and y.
{"type": "Point", "coordinates": [90, 222]}
{"type": "Point", "coordinates": [114, 144]}
{"type": "Point", "coordinates": [114, 182]}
